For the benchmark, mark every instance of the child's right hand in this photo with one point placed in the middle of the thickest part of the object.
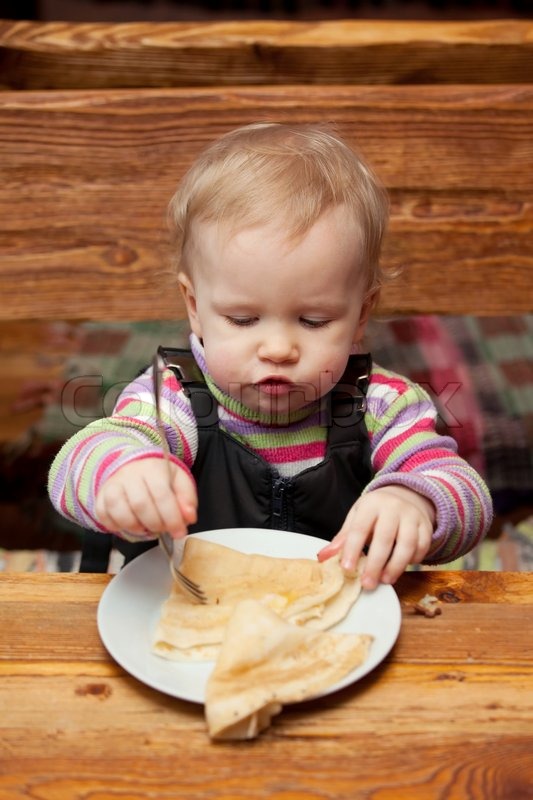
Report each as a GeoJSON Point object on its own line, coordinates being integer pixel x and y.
{"type": "Point", "coordinates": [139, 500]}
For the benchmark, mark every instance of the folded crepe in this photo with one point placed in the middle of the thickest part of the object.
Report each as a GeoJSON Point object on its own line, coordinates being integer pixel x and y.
{"type": "Point", "coordinates": [302, 591]}
{"type": "Point", "coordinates": [265, 662]}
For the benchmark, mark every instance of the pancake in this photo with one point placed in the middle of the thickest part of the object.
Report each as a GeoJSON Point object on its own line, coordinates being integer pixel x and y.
{"type": "Point", "coordinates": [265, 662]}
{"type": "Point", "coordinates": [301, 591]}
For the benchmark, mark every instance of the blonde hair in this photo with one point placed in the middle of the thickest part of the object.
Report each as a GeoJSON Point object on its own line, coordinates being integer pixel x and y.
{"type": "Point", "coordinates": [264, 172]}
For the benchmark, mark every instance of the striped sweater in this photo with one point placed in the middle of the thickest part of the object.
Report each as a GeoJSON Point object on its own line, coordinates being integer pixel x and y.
{"type": "Point", "coordinates": [400, 419]}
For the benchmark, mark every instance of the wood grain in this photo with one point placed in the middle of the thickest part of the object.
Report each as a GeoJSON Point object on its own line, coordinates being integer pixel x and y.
{"type": "Point", "coordinates": [86, 177]}
{"type": "Point", "coordinates": [435, 720]}
{"type": "Point", "coordinates": [58, 55]}
{"type": "Point", "coordinates": [292, 771]}
{"type": "Point", "coordinates": [453, 587]}
{"type": "Point", "coordinates": [471, 632]}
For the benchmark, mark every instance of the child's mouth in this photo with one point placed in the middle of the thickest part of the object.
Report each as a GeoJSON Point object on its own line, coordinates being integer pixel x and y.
{"type": "Point", "coordinates": [274, 386]}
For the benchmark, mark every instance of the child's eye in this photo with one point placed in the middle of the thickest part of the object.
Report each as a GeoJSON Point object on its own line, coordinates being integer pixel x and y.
{"type": "Point", "coordinates": [314, 323]}
{"type": "Point", "coordinates": [241, 321]}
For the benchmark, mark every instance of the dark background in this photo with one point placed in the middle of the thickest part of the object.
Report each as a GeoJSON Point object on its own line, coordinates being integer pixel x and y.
{"type": "Point", "coordinates": [169, 10]}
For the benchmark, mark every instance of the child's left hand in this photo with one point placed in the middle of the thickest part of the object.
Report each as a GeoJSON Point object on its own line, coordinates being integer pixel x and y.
{"type": "Point", "coordinates": [396, 522]}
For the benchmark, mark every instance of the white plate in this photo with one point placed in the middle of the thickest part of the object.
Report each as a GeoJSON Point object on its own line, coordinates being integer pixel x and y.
{"type": "Point", "coordinates": [130, 606]}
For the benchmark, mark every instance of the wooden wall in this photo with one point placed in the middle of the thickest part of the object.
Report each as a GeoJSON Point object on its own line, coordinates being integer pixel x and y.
{"type": "Point", "coordinates": [98, 123]}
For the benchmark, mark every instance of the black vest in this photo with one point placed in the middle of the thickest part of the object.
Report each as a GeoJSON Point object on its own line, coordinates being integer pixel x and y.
{"type": "Point", "coordinates": [238, 488]}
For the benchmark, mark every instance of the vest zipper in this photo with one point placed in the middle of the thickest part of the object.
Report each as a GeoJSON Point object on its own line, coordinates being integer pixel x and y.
{"type": "Point", "coordinates": [281, 517]}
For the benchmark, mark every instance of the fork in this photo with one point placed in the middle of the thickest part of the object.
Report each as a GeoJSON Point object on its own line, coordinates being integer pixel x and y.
{"type": "Point", "coordinates": [166, 541]}
{"type": "Point", "coordinates": [167, 545]}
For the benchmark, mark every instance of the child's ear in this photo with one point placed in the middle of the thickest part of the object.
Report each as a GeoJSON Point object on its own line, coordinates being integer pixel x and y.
{"type": "Point", "coordinates": [189, 295]}
{"type": "Point", "coordinates": [369, 303]}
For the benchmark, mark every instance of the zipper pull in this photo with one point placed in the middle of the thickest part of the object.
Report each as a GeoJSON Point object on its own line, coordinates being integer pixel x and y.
{"type": "Point", "coordinates": [277, 498]}
{"type": "Point", "coordinates": [281, 511]}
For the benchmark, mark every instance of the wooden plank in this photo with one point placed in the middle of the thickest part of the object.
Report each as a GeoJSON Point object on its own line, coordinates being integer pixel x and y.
{"type": "Point", "coordinates": [32, 587]}
{"type": "Point", "coordinates": [455, 586]}
{"type": "Point", "coordinates": [466, 630]}
{"type": "Point", "coordinates": [60, 55]}
{"type": "Point", "coordinates": [69, 738]}
{"type": "Point", "coordinates": [368, 766]}
{"type": "Point", "coordinates": [485, 639]}
{"type": "Point", "coordinates": [77, 698]}
{"type": "Point", "coordinates": [86, 177]}
{"type": "Point", "coordinates": [70, 728]}
{"type": "Point", "coordinates": [450, 586]}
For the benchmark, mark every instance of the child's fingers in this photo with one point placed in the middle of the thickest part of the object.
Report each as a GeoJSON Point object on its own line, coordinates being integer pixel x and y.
{"type": "Point", "coordinates": [162, 511]}
{"type": "Point", "coordinates": [356, 531]}
{"type": "Point", "coordinates": [331, 549]}
{"type": "Point", "coordinates": [139, 499]}
{"type": "Point", "coordinates": [411, 548]}
{"type": "Point", "coordinates": [188, 512]}
{"type": "Point", "coordinates": [187, 496]}
{"type": "Point", "coordinates": [403, 552]}
{"type": "Point", "coordinates": [354, 543]}
{"type": "Point", "coordinates": [425, 534]}
{"type": "Point", "coordinates": [395, 534]}
{"type": "Point", "coordinates": [164, 506]}
{"type": "Point", "coordinates": [114, 511]}
{"type": "Point", "coordinates": [351, 538]}
{"type": "Point", "coordinates": [383, 538]}
{"type": "Point", "coordinates": [145, 500]}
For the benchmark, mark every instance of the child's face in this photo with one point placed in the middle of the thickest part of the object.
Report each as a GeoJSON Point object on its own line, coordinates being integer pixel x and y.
{"type": "Point", "coordinates": [278, 320]}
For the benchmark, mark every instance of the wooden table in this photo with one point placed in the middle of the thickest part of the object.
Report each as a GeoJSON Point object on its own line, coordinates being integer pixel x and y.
{"type": "Point", "coordinates": [448, 715]}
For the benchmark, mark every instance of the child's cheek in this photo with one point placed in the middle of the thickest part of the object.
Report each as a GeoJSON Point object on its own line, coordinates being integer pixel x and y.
{"type": "Point", "coordinates": [220, 365]}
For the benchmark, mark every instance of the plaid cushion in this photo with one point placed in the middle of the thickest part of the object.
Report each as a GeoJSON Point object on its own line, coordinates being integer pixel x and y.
{"type": "Point", "coordinates": [479, 372]}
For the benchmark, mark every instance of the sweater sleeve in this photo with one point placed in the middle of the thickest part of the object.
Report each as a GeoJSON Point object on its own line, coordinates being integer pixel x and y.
{"type": "Point", "coordinates": [93, 454]}
{"type": "Point", "coordinates": [408, 451]}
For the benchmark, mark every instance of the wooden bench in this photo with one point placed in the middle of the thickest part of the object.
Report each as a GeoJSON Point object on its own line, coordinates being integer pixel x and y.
{"type": "Point", "coordinates": [98, 122]}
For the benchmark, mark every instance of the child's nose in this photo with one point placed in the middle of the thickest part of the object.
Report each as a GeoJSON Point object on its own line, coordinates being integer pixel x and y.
{"type": "Point", "coordinates": [278, 347]}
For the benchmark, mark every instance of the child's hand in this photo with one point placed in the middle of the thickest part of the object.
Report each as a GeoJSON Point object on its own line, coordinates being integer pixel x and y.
{"type": "Point", "coordinates": [396, 522]}
{"type": "Point", "coordinates": [139, 500]}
